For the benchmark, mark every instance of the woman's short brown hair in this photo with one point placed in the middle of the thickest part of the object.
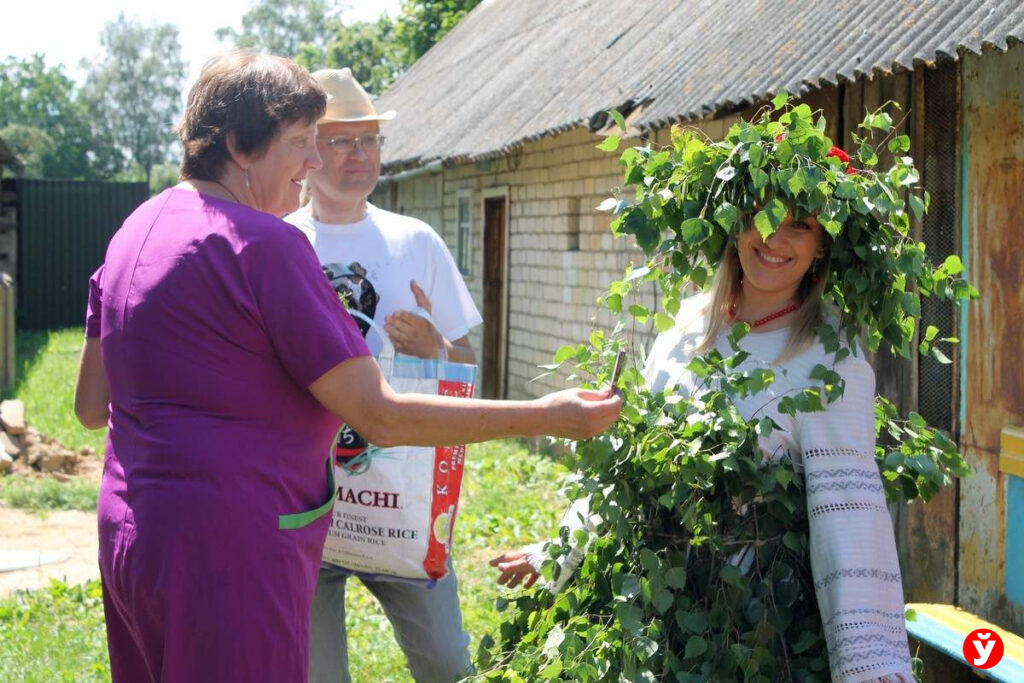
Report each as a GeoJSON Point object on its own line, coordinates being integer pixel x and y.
{"type": "Point", "coordinates": [247, 95]}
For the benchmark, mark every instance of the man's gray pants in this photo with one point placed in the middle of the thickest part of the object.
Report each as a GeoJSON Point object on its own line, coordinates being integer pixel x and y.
{"type": "Point", "coordinates": [427, 624]}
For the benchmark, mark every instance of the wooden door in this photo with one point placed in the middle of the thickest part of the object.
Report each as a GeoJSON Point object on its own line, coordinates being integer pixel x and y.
{"type": "Point", "coordinates": [493, 357]}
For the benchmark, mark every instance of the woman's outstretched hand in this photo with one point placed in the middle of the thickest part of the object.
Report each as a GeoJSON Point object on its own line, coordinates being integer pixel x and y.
{"type": "Point", "coordinates": [515, 566]}
{"type": "Point", "coordinates": [580, 413]}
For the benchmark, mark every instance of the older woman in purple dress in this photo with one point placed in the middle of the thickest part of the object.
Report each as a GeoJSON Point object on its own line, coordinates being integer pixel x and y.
{"type": "Point", "coordinates": [224, 364]}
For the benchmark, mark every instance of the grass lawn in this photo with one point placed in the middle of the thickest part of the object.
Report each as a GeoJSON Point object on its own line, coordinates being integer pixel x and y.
{"type": "Point", "coordinates": [54, 635]}
{"type": "Point", "coordinates": [47, 368]}
{"type": "Point", "coordinates": [41, 495]}
{"type": "Point", "coordinates": [509, 498]}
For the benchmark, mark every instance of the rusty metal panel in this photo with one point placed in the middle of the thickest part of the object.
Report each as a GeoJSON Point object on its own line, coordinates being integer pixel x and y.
{"type": "Point", "coordinates": [993, 119]}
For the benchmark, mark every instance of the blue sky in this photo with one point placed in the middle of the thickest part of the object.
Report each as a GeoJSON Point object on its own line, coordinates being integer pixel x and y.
{"type": "Point", "coordinates": [67, 31]}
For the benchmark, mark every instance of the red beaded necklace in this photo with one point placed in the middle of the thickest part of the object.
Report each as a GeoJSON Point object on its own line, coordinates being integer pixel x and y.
{"type": "Point", "coordinates": [768, 318]}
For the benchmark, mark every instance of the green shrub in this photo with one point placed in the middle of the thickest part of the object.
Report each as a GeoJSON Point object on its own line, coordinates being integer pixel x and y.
{"type": "Point", "coordinates": [46, 370]}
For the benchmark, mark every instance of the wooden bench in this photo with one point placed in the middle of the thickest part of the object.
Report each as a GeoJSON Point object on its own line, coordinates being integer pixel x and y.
{"type": "Point", "coordinates": [944, 627]}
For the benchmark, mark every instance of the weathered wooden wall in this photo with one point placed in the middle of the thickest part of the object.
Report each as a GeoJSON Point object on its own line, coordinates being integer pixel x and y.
{"type": "Point", "coordinates": [927, 100]}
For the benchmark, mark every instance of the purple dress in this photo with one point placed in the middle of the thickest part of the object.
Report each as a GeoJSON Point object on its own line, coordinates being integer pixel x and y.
{"type": "Point", "coordinates": [214, 319]}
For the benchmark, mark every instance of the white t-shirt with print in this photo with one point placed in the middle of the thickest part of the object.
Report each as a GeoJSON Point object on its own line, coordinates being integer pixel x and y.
{"type": "Point", "coordinates": [373, 261]}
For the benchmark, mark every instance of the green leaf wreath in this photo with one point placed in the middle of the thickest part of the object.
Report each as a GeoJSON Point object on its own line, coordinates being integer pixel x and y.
{"type": "Point", "coordinates": [679, 484]}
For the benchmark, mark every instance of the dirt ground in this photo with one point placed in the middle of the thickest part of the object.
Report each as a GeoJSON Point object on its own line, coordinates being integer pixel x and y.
{"type": "Point", "coordinates": [68, 532]}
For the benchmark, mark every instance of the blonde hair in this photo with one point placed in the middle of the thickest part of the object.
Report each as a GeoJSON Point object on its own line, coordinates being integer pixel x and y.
{"type": "Point", "coordinates": [726, 288]}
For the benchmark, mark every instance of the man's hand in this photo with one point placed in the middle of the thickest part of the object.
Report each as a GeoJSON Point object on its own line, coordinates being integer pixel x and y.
{"type": "Point", "coordinates": [412, 334]}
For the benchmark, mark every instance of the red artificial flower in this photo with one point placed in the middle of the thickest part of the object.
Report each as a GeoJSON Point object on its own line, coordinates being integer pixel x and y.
{"type": "Point", "coordinates": [838, 153]}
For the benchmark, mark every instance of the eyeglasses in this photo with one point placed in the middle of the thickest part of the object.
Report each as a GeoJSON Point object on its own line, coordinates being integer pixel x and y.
{"type": "Point", "coordinates": [344, 145]}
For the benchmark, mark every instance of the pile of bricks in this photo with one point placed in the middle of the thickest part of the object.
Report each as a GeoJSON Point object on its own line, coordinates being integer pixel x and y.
{"type": "Point", "coordinates": [23, 448]}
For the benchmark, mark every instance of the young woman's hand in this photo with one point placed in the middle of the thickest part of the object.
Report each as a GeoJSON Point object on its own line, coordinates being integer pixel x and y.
{"type": "Point", "coordinates": [515, 566]}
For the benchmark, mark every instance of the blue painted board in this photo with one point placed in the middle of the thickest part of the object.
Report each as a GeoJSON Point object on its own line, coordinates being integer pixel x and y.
{"type": "Point", "coordinates": [1015, 539]}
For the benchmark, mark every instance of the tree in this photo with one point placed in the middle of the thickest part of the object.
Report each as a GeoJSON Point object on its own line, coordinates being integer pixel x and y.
{"type": "Point", "coordinates": [162, 177]}
{"type": "Point", "coordinates": [45, 121]}
{"type": "Point", "coordinates": [135, 91]}
{"type": "Point", "coordinates": [368, 48]}
{"type": "Point", "coordinates": [311, 32]}
{"type": "Point", "coordinates": [284, 27]}
{"type": "Point", "coordinates": [33, 147]}
{"type": "Point", "coordinates": [424, 22]}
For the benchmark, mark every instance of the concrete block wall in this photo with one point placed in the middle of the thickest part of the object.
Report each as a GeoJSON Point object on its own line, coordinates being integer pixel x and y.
{"type": "Point", "coordinates": [421, 196]}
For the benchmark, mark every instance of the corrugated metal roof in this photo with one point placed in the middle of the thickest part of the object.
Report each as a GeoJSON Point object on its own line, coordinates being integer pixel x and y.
{"type": "Point", "coordinates": [516, 70]}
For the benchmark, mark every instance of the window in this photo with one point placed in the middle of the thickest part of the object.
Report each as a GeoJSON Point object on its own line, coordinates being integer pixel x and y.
{"type": "Point", "coordinates": [464, 226]}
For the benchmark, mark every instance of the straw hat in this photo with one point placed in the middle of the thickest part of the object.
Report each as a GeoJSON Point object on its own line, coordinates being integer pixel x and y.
{"type": "Point", "coordinates": [347, 102]}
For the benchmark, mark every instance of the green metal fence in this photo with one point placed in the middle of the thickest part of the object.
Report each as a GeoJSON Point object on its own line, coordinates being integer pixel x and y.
{"type": "Point", "coordinates": [63, 230]}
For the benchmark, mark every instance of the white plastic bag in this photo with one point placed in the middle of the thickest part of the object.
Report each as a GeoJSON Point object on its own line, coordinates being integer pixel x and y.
{"type": "Point", "coordinates": [395, 508]}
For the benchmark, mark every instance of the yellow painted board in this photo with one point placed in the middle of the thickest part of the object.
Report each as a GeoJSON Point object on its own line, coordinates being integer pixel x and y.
{"type": "Point", "coordinates": [965, 622]}
{"type": "Point", "coordinates": [1011, 451]}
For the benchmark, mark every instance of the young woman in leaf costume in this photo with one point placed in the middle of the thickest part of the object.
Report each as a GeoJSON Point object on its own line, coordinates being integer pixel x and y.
{"type": "Point", "coordinates": [737, 523]}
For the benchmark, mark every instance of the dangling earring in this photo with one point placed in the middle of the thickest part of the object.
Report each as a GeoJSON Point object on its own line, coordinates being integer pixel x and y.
{"type": "Point", "coordinates": [248, 184]}
{"type": "Point", "coordinates": [814, 271]}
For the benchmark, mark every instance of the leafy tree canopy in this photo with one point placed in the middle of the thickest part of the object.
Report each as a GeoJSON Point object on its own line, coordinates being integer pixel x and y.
{"type": "Point", "coordinates": [46, 122]}
{"type": "Point", "coordinates": [135, 90]}
{"type": "Point", "coordinates": [369, 49]}
{"type": "Point", "coordinates": [311, 32]}
{"type": "Point", "coordinates": [424, 22]}
{"type": "Point", "coordinates": [285, 27]}
{"type": "Point", "coordinates": [121, 122]}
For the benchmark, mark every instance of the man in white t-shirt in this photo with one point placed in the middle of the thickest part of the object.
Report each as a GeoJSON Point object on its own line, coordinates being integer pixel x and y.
{"type": "Point", "coordinates": [386, 265]}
